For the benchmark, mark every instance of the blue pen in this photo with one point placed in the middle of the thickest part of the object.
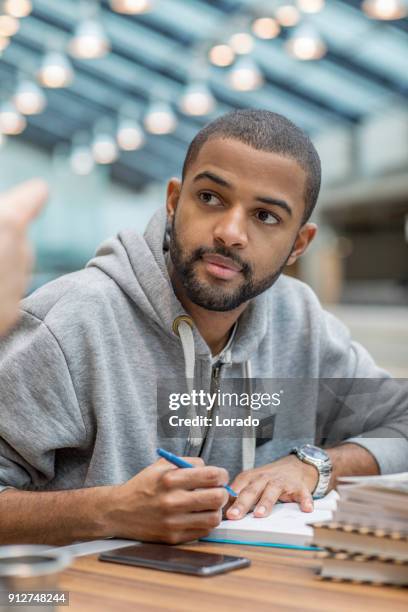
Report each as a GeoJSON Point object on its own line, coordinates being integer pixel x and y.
{"type": "Point", "coordinates": [184, 464]}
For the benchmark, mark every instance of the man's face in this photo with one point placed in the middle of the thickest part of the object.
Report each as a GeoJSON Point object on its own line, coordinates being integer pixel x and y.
{"type": "Point", "coordinates": [235, 223]}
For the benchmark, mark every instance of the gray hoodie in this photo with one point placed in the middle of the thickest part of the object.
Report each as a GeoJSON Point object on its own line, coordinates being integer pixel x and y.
{"type": "Point", "coordinates": [79, 375]}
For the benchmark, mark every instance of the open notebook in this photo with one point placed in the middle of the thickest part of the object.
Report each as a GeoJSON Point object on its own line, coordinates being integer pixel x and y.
{"type": "Point", "coordinates": [286, 525]}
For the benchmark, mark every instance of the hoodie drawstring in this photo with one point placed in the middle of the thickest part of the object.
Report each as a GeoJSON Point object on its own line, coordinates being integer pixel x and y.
{"type": "Point", "coordinates": [248, 439]}
{"type": "Point", "coordinates": [183, 326]}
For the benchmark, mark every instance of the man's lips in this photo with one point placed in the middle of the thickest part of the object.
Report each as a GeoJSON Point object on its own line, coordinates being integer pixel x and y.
{"type": "Point", "coordinates": [225, 262]}
{"type": "Point", "coordinates": [221, 267]}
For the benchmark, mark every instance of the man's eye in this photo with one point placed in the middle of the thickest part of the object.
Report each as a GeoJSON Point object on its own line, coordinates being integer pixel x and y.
{"type": "Point", "coordinates": [266, 217]}
{"type": "Point", "coordinates": [208, 198]}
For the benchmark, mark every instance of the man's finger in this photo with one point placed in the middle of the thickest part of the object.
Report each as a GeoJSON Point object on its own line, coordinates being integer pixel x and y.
{"type": "Point", "coordinates": [195, 478]}
{"type": "Point", "coordinates": [268, 499]}
{"type": "Point", "coordinates": [24, 202]}
{"type": "Point", "coordinates": [166, 466]}
{"type": "Point", "coordinates": [305, 500]}
{"type": "Point", "coordinates": [241, 481]}
{"type": "Point", "coordinates": [199, 500]}
{"type": "Point", "coordinates": [246, 499]}
{"type": "Point", "coordinates": [196, 461]}
{"type": "Point", "coordinates": [205, 521]}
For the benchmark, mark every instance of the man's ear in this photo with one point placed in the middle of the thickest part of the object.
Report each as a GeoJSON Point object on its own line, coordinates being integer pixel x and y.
{"type": "Point", "coordinates": [305, 236]}
{"type": "Point", "coordinates": [172, 198]}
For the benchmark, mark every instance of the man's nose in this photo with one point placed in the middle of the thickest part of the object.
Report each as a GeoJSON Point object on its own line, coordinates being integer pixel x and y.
{"type": "Point", "coordinates": [231, 228]}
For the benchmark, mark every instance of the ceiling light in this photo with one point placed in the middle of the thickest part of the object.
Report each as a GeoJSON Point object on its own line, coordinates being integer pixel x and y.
{"type": "Point", "coordinates": [4, 43]}
{"type": "Point", "coordinates": [104, 148]}
{"type": "Point", "coordinates": [130, 136]}
{"type": "Point", "coordinates": [266, 27]}
{"type": "Point", "coordinates": [55, 71]}
{"type": "Point", "coordinates": [245, 75]}
{"type": "Point", "coordinates": [242, 43]}
{"type": "Point", "coordinates": [306, 44]}
{"type": "Point", "coordinates": [310, 6]}
{"type": "Point", "coordinates": [18, 8]}
{"type": "Point", "coordinates": [81, 160]}
{"type": "Point", "coordinates": [197, 99]}
{"type": "Point", "coordinates": [8, 25]}
{"type": "Point", "coordinates": [29, 98]}
{"type": "Point", "coordinates": [12, 122]}
{"type": "Point", "coordinates": [160, 118]}
{"type": "Point", "coordinates": [287, 15]}
{"type": "Point", "coordinates": [221, 55]}
{"type": "Point", "coordinates": [89, 41]}
{"type": "Point", "coordinates": [385, 9]}
{"type": "Point", "coordinates": [131, 7]}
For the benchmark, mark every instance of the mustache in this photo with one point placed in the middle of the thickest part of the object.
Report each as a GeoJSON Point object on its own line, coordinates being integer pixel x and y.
{"type": "Point", "coordinates": [224, 252]}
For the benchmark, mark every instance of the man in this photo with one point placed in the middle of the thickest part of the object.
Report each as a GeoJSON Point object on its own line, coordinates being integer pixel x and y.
{"type": "Point", "coordinates": [206, 300]}
{"type": "Point", "coordinates": [17, 208]}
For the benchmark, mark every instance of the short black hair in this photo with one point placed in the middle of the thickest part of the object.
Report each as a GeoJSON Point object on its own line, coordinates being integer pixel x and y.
{"type": "Point", "coordinates": [265, 131]}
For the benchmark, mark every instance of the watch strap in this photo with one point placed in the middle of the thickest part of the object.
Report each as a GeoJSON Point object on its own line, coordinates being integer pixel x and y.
{"type": "Point", "coordinates": [324, 469]}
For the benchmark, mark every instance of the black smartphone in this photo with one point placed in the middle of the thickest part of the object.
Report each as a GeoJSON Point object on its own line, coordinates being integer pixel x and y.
{"type": "Point", "coordinates": [172, 559]}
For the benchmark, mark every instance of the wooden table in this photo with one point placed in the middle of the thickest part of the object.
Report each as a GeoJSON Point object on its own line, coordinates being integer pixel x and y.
{"type": "Point", "coordinates": [278, 579]}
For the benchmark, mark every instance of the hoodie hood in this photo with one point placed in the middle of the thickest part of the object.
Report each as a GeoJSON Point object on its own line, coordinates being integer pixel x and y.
{"type": "Point", "coordinates": [137, 265]}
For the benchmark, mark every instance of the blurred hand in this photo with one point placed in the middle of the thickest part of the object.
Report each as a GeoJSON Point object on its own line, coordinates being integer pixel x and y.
{"type": "Point", "coordinates": [17, 208]}
{"type": "Point", "coordinates": [163, 503]}
{"type": "Point", "coordinates": [287, 480]}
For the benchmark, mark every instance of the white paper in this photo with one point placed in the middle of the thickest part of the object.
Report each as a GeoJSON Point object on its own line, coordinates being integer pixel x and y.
{"type": "Point", "coordinates": [287, 524]}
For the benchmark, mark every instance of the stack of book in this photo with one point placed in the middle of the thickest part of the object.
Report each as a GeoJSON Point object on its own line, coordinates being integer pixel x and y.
{"type": "Point", "coordinates": [367, 538]}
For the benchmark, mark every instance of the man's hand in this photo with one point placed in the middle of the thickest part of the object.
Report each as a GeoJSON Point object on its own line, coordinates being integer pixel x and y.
{"type": "Point", "coordinates": [287, 480]}
{"type": "Point", "coordinates": [17, 208]}
{"type": "Point", "coordinates": [163, 503]}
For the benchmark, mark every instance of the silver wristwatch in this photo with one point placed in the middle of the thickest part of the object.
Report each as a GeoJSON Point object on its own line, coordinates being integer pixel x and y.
{"type": "Point", "coordinates": [313, 455]}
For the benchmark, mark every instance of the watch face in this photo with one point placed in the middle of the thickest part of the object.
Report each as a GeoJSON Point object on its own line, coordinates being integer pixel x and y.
{"type": "Point", "coordinates": [314, 452]}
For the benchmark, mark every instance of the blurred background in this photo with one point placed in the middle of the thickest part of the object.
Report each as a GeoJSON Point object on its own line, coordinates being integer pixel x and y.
{"type": "Point", "coordinates": [103, 97]}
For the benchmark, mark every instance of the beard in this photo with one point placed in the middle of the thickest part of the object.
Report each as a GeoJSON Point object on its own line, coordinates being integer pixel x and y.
{"type": "Point", "coordinates": [217, 298]}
